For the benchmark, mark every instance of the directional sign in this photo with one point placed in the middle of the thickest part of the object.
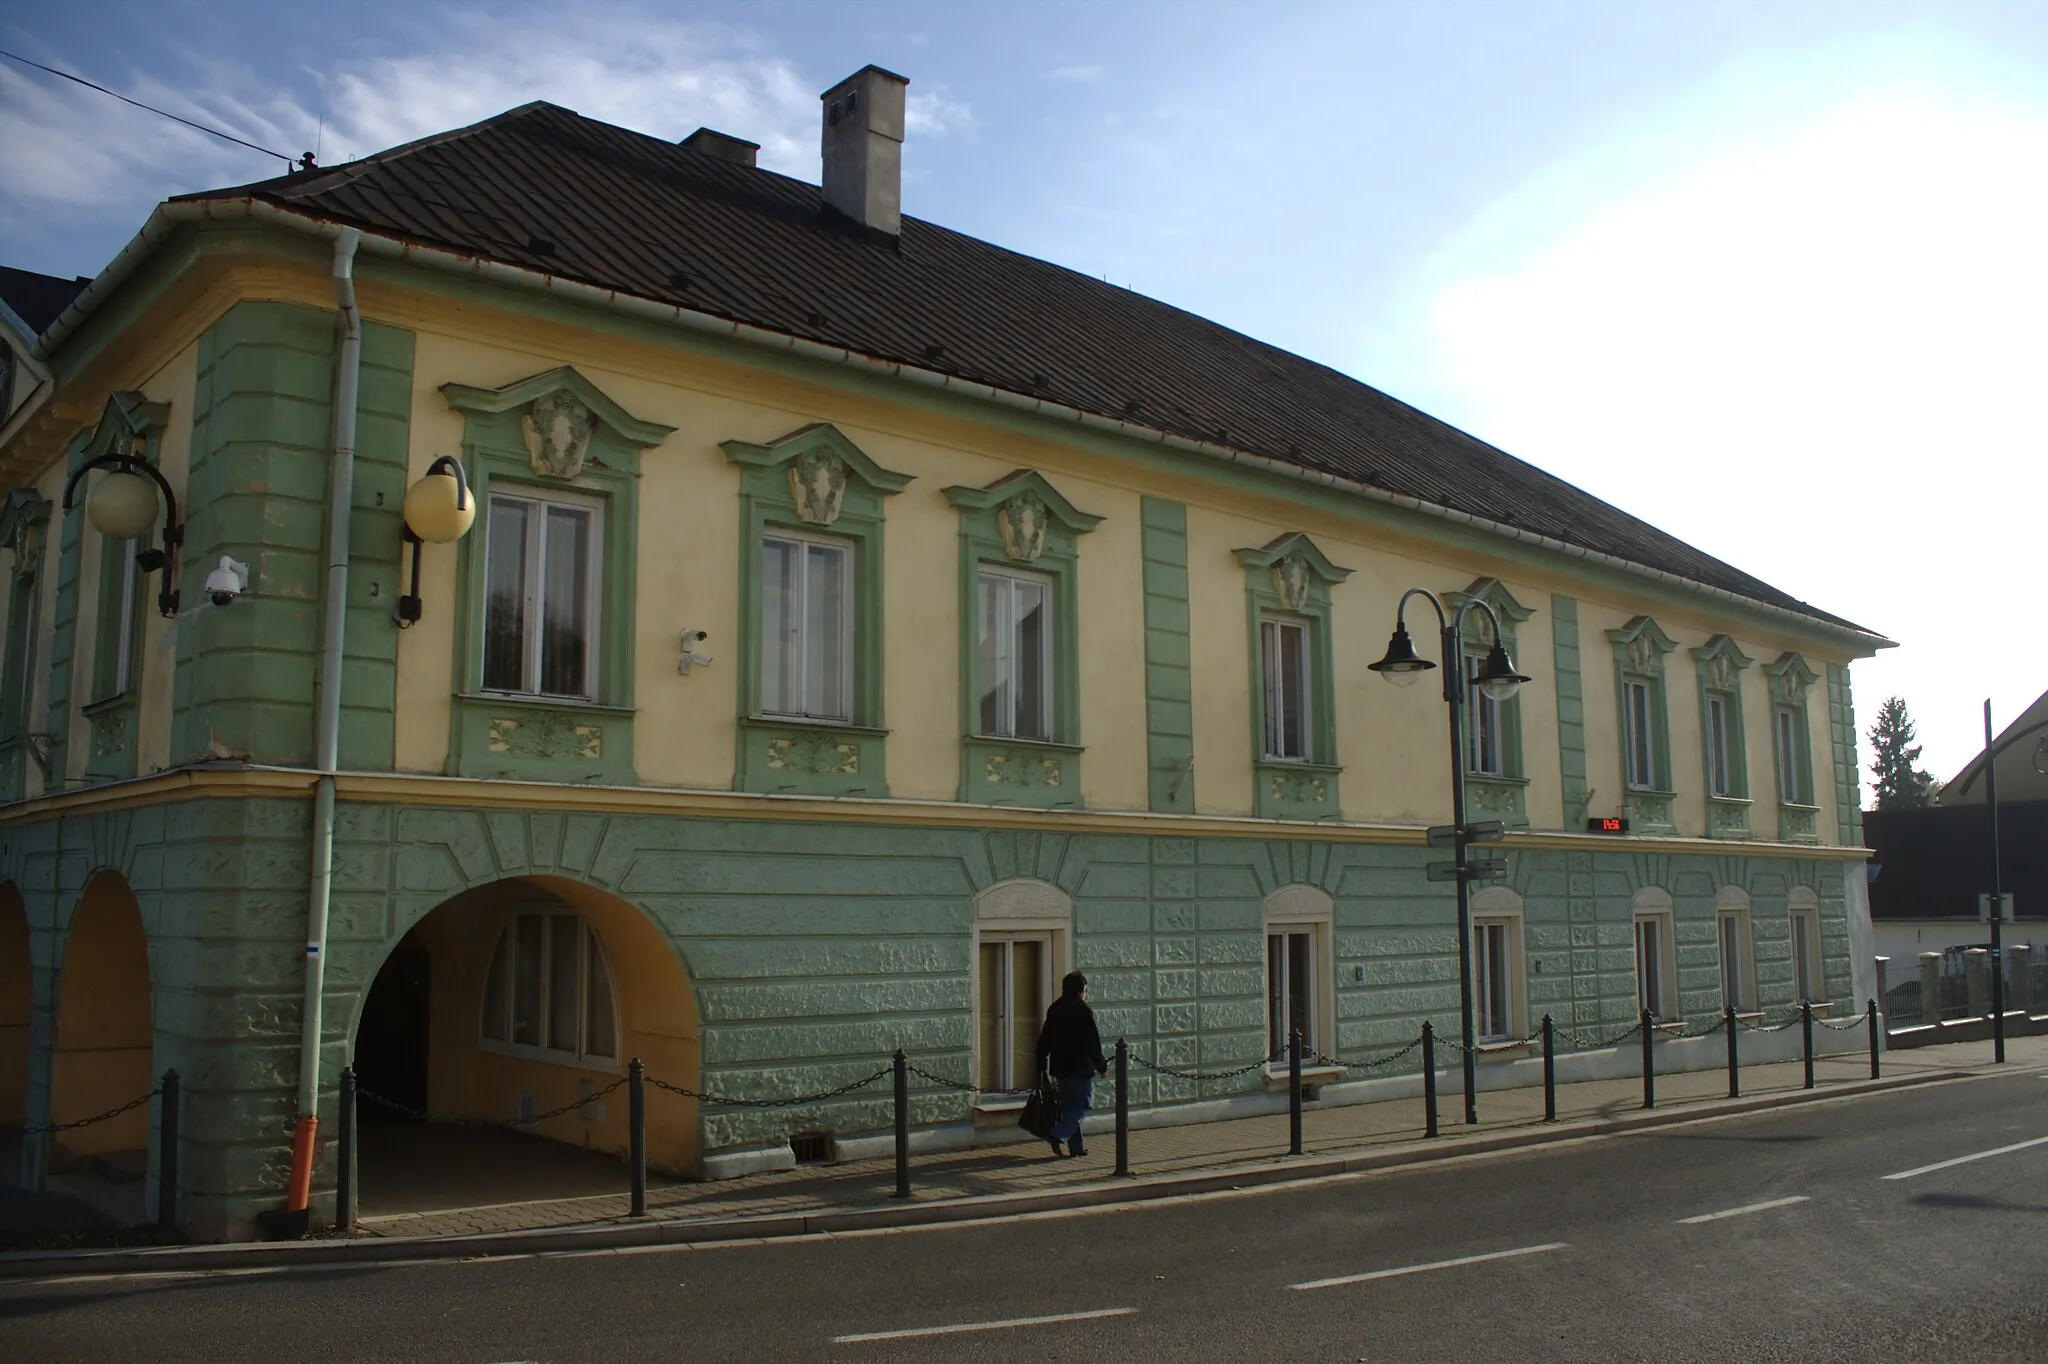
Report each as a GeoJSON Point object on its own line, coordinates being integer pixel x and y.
{"type": "Point", "coordinates": [1483, 869]}
{"type": "Point", "coordinates": [1441, 871]}
{"type": "Point", "coordinates": [1485, 831]}
{"type": "Point", "coordinates": [1443, 835]}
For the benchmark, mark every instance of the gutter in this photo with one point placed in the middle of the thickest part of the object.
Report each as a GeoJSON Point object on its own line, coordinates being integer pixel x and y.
{"type": "Point", "coordinates": [170, 215]}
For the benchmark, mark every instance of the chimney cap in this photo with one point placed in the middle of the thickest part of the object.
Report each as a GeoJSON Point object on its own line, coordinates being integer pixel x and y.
{"type": "Point", "coordinates": [724, 146]}
{"type": "Point", "coordinates": [840, 85]}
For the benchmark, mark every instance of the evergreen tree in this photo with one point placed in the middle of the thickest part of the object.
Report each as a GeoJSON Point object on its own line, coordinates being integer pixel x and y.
{"type": "Point", "coordinates": [1898, 784]}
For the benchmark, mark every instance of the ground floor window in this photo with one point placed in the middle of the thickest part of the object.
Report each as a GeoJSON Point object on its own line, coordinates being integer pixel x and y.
{"type": "Point", "coordinates": [1654, 952]}
{"type": "Point", "coordinates": [1493, 980]}
{"type": "Point", "coordinates": [1736, 986]}
{"type": "Point", "coordinates": [1808, 979]}
{"type": "Point", "coordinates": [1291, 976]}
{"type": "Point", "coordinates": [1015, 981]}
{"type": "Point", "coordinates": [549, 993]}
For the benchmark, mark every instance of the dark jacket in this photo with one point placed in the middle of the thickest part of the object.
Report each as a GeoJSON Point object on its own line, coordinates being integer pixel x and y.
{"type": "Point", "coordinates": [1068, 1044]}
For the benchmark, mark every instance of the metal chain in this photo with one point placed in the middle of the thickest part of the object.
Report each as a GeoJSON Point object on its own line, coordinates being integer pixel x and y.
{"type": "Point", "coordinates": [1583, 1045]}
{"type": "Point", "coordinates": [56, 1127]}
{"type": "Point", "coordinates": [730, 1101]}
{"type": "Point", "coordinates": [406, 1110]}
{"type": "Point", "coordinates": [1207, 1075]}
{"type": "Point", "coordinates": [1387, 1060]}
{"type": "Point", "coordinates": [1779, 1027]}
{"type": "Point", "coordinates": [945, 1083]}
{"type": "Point", "coordinates": [1845, 1025]}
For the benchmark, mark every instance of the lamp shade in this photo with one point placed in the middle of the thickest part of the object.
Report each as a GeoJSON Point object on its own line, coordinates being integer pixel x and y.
{"type": "Point", "coordinates": [1497, 678]}
{"type": "Point", "coordinates": [432, 511]}
{"type": "Point", "coordinates": [1402, 665]}
{"type": "Point", "coordinates": [122, 505]}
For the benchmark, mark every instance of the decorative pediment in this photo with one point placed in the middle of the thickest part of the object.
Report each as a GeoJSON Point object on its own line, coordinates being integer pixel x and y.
{"type": "Point", "coordinates": [1790, 678]}
{"type": "Point", "coordinates": [1721, 662]}
{"type": "Point", "coordinates": [127, 415]}
{"type": "Point", "coordinates": [22, 518]}
{"type": "Point", "coordinates": [817, 461]}
{"type": "Point", "coordinates": [1495, 594]}
{"type": "Point", "coordinates": [559, 413]}
{"type": "Point", "coordinates": [1025, 506]}
{"type": "Point", "coordinates": [1297, 568]}
{"type": "Point", "coordinates": [1641, 645]}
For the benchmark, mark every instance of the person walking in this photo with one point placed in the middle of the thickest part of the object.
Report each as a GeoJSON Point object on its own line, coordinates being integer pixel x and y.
{"type": "Point", "coordinates": [1070, 1050]}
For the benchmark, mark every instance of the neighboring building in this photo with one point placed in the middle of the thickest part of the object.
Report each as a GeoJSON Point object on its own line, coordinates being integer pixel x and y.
{"type": "Point", "coordinates": [1036, 620]}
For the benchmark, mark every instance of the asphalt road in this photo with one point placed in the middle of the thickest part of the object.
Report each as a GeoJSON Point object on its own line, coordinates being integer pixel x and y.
{"type": "Point", "coordinates": [1608, 1249]}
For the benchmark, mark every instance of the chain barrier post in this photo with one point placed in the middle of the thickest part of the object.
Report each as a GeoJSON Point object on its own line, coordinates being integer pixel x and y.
{"type": "Point", "coordinates": [1123, 1107]}
{"type": "Point", "coordinates": [345, 1155]}
{"type": "Point", "coordinates": [1649, 1063]}
{"type": "Point", "coordinates": [1428, 1079]}
{"type": "Point", "coordinates": [1871, 1011]}
{"type": "Point", "coordinates": [1734, 1065]}
{"type": "Point", "coordinates": [636, 1110]}
{"type": "Point", "coordinates": [1549, 1070]}
{"type": "Point", "coordinates": [902, 1066]}
{"type": "Point", "coordinates": [1293, 1091]}
{"type": "Point", "coordinates": [167, 1157]}
{"type": "Point", "coordinates": [1806, 1035]}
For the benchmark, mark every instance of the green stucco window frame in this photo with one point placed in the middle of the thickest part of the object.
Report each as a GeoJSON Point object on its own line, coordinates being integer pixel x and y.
{"type": "Point", "coordinates": [1290, 578]}
{"type": "Point", "coordinates": [552, 433]}
{"type": "Point", "coordinates": [1499, 795]}
{"type": "Point", "coordinates": [112, 705]}
{"type": "Point", "coordinates": [815, 482]}
{"type": "Point", "coordinates": [24, 520]}
{"type": "Point", "coordinates": [1021, 524]}
{"type": "Point", "coordinates": [1790, 682]}
{"type": "Point", "coordinates": [1639, 650]}
{"type": "Point", "coordinates": [1718, 665]}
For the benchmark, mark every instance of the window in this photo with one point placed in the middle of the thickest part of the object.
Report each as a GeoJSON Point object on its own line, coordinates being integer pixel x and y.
{"type": "Point", "coordinates": [1791, 772]}
{"type": "Point", "coordinates": [1641, 737]}
{"type": "Point", "coordinates": [1284, 656]}
{"type": "Point", "coordinates": [1290, 987]}
{"type": "Point", "coordinates": [1720, 773]}
{"type": "Point", "coordinates": [1016, 672]}
{"type": "Point", "coordinates": [1809, 980]}
{"type": "Point", "coordinates": [1654, 955]}
{"type": "Point", "coordinates": [1016, 986]}
{"type": "Point", "coordinates": [18, 686]}
{"type": "Point", "coordinates": [1492, 982]}
{"type": "Point", "coordinates": [1733, 928]}
{"type": "Point", "coordinates": [541, 594]}
{"type": "Point", "coordinates": [115, 654]}
{"type": "Point", "coordinates": [806, 626]}
{"type": "Point", "coordinates": [549, 992]}
{"type": "Point", "coordinates": [1483, 745]}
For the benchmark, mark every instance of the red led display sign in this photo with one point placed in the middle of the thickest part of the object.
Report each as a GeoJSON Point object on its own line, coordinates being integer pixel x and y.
{"type": "Point", "coordinates": [1608, 825]}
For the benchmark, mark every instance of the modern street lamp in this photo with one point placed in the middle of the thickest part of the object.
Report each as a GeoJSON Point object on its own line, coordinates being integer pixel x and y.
{"type": "Point", "coordinates": [1496, 679]}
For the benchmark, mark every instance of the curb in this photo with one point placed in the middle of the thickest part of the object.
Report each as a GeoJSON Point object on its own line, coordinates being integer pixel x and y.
{"type": "Point", "coordinates": [775, 1226]}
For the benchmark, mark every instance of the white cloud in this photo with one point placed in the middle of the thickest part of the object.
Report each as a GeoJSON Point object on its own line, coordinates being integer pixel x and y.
{"type": "Point", "coordinates": [1817, 355]}
{"type": "Point", "coordinates": [935, 113]}
{"type": "Point", "coordinates": [1075, 75]}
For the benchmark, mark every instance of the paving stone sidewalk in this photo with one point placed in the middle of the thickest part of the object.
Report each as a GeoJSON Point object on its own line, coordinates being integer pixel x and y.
{"type": "Point", "coordinates": [579, 1180]}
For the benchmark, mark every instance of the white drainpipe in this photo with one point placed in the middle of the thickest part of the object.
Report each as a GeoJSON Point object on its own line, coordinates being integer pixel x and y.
{"type": "Point", "coordinates": [348, 362]}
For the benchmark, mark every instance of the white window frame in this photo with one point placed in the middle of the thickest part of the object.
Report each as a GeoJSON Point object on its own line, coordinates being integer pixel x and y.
{"type": "Point", "coordinates": [1274, 629]}
{"type": "Point", "coordinates": [1498, 910]}
{"type": "Point", "coordinates": [122, 675]}
{"type": "Point", "coordinates": [1643, 778]}
{"type": "Point", "coordinates": [1720, 764]}
{"type": "Point", "coordinates": [1485, 743]}
{"type": "Point", "coordinates": [1005, 1076]}
{"type": "Point", "coordinates": [1791, 783]}
{"type": "Point", "coordinates": [850, 682]}
{"type": "Point", "coordinates": [1657, 986]}
{"type": "Point", "coordinates": [536, 571]}
{"type": "Point", "coordinates": [505, 947]}
{"type": "Point", "coordinates": [1021, 908]}
{"type": "Point", "coordinates": [1808, 958]}
{"type": "Point", "coordinates": [1007, 649]}
{"type": "Point", "coordinates": [1307, 910]}
{"type": "Point", "coordinates": [1731, 929]}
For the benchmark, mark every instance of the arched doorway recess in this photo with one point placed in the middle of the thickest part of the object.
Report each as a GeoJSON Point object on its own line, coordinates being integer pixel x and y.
{"type": "Point", "coordinates": [104, 1054]}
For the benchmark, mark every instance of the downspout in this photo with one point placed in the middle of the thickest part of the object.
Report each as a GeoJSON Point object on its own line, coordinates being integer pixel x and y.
{"type": "Point", "coordinates": [348, 363]}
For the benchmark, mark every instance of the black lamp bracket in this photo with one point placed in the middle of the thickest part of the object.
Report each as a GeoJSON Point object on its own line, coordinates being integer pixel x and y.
{"type": "Point", "coordinates": [148, 560]}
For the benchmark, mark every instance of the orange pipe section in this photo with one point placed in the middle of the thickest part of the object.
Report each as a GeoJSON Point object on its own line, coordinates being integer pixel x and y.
{"type": "Point", "coordinates": [302, 1163]}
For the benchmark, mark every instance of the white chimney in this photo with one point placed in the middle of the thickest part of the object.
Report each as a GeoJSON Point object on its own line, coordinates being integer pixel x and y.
{"type": "Point", "coordinates": [863, 146]}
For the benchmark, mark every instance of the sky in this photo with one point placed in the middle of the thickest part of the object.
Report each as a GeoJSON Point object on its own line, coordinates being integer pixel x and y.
{"type": "Point", "coordinates": [1769, 275]}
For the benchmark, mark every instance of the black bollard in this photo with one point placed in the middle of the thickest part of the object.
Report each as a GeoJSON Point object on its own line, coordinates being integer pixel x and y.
{"type": "Point", "coordinates": [1734, 1066]}
{"type": "Point", "coordinates": [636, 1111]}
{"type": "Point", "coordinates": [902, 1125]}
{"type": "Point", "coordinates": [1428, 1079]}
{"type": "Point", "coordinates": [345, 1155]}
{"type": "Point", "coordinates": [1549, 1071]}
{"type": "Point", "coordinates": [1806, 1036]}
{"type": "Point", "coordinates": [1872, 1014]}
{"type": "Point", "coordinates": [1293, 1092]}
{"type": "Point", "coordinates": [1123, 1107]}
{"type": "Point", "coordinates": [167, 1157]}
{"type": "Point", "coordinates": [1649, 1063]}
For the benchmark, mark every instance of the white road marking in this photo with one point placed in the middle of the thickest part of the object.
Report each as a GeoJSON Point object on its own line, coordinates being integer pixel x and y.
{"type": "Point", "coordinates": [1965, 1160]}
{"type": "Point", "coordinates": [1747, 1208]}
{"type": "Point", "coordinates": [1438, 1264]}
{"type": "Point", "coordinates": [966, 1326]}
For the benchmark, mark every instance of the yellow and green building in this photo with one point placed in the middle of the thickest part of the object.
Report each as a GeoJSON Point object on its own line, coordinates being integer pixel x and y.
{"type": "Point", "coordinates": [860, 626]}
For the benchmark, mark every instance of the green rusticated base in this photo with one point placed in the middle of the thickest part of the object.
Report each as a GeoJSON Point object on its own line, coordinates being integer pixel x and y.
{"type": "Point", "coordinates": [815, 949]}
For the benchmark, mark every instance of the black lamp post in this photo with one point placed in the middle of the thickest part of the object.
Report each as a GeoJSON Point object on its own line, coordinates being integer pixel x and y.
{"type": "Point", "coordinates": [1498, 679]}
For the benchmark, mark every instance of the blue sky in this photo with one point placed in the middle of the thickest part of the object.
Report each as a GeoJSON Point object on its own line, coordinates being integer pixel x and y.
{"type": "Point", "coordinates": [1769, 275]}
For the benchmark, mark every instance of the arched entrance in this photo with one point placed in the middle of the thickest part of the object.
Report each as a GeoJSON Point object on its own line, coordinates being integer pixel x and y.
{"type": "Point", "coordinates": [104, 1046]}
{"type": "Point", "coordinates": [505, 1003]}
{"type": "Point", "coordinates": [16, 988]}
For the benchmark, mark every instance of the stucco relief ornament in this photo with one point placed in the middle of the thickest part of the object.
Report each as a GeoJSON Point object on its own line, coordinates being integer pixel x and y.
{"type": "Point", "coordinates": [1021, 522]}
{"type": "Point", "coordinates": [817, 481]}
{"type": "Point", "coordinates": [1642, 654]}
{"type": "Point", "coordinates": [1721, 673]}
{"type": "Point", "coordinates": [558, 428]}
{"type": "Point", "coordinates": [1788, 687]}
{"type": "Point", "coordinates": [1291, 579]}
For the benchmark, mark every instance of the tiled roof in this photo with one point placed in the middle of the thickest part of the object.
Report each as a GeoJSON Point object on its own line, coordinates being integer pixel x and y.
{"type": "Point", "coordinates": [37, 299]}
{"type": "Point", "coordinates": [547, 189]}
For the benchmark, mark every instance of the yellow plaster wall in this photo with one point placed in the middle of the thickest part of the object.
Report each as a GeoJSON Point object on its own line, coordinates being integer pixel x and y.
{"type": "Point", "coordinates": [104, 1040]}
{"type": "Point", "coordinates": [173, 384]}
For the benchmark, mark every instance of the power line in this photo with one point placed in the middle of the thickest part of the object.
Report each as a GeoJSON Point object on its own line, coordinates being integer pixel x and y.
{"type": "Point", "coordinates": [165, 113]}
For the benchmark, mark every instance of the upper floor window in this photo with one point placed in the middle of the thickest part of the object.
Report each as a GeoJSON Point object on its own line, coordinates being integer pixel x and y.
{"type": "Point", "coordinates": [807, 626]}
{"type": "Point", "coordinates": [1791, 785]}
{"type": "Point", "coordinates": [1792, 747]}
{"type": "Point", "coordinates": [1640, 733]}
{"type": "Point", "coordinates": [1644, 723]}
{"type": "Point", "coordinates": [542, 597]}
{"type": "Point", "coordinates": [115, 654]}
{"type": "Point", "coordinates": [1293, 736]}
{"type": "Point", "coordinates": [1285, 662]}
{"type": "Point", "coordinates": [1720, 771]}
{"type": "Point", "coordinates": [549, 991]}
{"type": "Point", "coordinates": [1483, 740]}
{"type": "Point", "coordinates": [1017, 647]}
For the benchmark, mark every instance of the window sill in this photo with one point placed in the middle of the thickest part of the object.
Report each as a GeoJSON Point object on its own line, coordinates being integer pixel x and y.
{"type": "Point", "coordinates": [764, 720]}
{"type": "Point", "coordinates": [1511, 1047]}
{"type": "Point", "coordinates": [1287, 788]}
{"type": "Point", "coordinates": [1048, 745]}
{"type": "Point", "coordinates": [1310, 1075]}
{"type": "Point", "coordinates": [539, 702]}
{"type": "Point", "coordinates": [1012, 1103]}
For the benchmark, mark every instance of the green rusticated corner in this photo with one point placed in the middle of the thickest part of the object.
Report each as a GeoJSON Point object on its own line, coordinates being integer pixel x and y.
{"type": "Point", "coordinates": [1842, 733]}
{"type": "Point", "coordinates": [1169, 674]}
{"type": "Point", "coordinates": [1571, 706]}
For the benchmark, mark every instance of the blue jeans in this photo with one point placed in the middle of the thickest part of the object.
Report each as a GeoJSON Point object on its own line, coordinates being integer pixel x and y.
{"type": "Point", "coordinates": [1077, 1096]}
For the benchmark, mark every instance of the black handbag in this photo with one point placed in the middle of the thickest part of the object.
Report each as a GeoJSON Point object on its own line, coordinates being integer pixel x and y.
{"type": "Point", "coordinates": [1041, 1109]}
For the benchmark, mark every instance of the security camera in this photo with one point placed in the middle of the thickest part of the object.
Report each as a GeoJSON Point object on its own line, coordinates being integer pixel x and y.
{"type": "Point", "coordinates": [227, 582]}
{"type": "Point", "coordinates": [689, 657]}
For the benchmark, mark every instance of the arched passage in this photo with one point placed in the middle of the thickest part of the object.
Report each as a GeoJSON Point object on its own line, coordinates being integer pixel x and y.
{"type": "Point", "coordinates": [104, 1047]}
{"type": "Point", "coordinates": [514, 999]}
{"type": "Point", "coordinates": [16, 985]}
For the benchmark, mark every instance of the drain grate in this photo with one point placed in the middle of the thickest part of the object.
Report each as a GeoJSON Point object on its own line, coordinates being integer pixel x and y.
{"type": "Point", "coordinates": [811, 1148]}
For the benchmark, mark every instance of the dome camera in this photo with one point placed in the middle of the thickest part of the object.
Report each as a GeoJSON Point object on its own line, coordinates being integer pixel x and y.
{"type": "Point", "coordinates": [227, 582]}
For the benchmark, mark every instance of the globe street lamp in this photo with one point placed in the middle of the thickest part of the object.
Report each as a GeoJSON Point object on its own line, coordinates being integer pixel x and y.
{"type": "Point", "coordinates": [124, 505]}
{"type": "Point", "coordinates": [438, 510]}
{"type": "Point", "coordinates": [1497, 680]}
